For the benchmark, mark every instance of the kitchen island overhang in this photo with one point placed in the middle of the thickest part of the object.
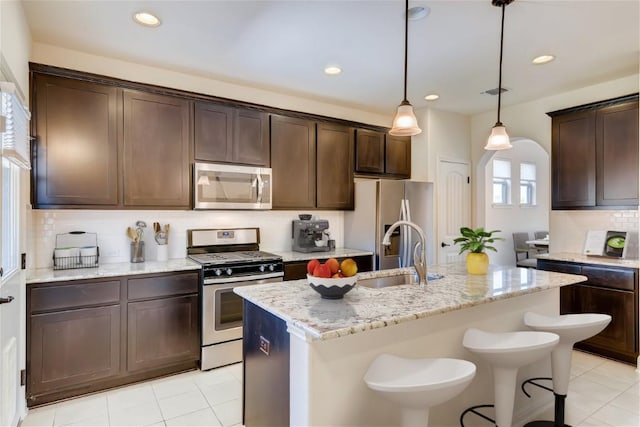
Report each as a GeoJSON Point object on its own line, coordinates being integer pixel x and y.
{"type": "Point", "coordinates": [332, 343]}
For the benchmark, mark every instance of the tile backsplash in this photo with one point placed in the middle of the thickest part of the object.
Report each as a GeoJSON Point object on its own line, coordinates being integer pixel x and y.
{"type": "Point", "coordinates": [110, 226]}
{"type": "Point", "coordinates": [567, 229]}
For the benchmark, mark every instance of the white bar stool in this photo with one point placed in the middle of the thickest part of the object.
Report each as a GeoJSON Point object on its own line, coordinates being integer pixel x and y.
{"type": "Point", "coordinates": [506, 352]}
{"type": "Point", "coordinates": [571, 328]}
{"type": "Point", "coordinates": [418, 384]}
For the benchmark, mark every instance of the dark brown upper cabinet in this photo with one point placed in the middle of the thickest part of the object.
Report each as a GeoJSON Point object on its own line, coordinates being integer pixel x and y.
{"type": "Point", "coordinates": [293, 162]}
{"type": "Point", "coordinates": [231, 135]}
{"type": "Point", "coordinates": [382, 154]}
{"type": "Point", "coordinates": [617, 154]}
{"type": "Point", "coordinates": [156, 151]}
{"type": "Point", "coordinates": [369, 151]}
{"type": "Point", "coordinates": [594, 155]}
{"type": "Point", "coordinates": [398, 156]}
{"type": "Point", "coordinates": [76, 146]}
{"type": "Point", "coordinates": [334, 166]}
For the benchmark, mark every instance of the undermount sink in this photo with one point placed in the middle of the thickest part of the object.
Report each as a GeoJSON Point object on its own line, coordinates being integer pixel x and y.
{"type": "Point", "coordinates": [396, 280]}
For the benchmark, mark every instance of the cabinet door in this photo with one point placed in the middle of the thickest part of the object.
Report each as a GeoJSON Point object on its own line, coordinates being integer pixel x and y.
{"type": "Point", "coordinates": [162, 332]}
{"type": "Point", "coordinates": [251, 138]}
{"type": "Point", "coordinates": [213, 132]}
{"type": "Point", "coordinates": [398, 156]}
{"type": "Point", "coordinates": [617, 149]}
{"type": "Point", "coordinates": [573, 160]}
{"type": "Point", "coordinates": [293, 160]}
{"type": "Point", "coordinates": [369, 151]}
{"type": "Point", "coordinates": [156, 151]}
{"type": "Point", "coordinates": [73, 347]}
{"type": "Point", "coordinates": [619, 335]}
{"type": "Point", "coordinates": [334, 167]}
{"type": "Point", "coordinates": [76, 146]}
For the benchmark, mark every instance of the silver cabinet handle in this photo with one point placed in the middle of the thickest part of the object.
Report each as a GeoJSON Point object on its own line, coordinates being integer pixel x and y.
{"type": "Point", "coordinates": [6, 300]}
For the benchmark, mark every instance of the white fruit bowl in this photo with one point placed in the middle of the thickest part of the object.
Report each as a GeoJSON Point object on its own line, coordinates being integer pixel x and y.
{"type": "Point", "coordinates": [330, 288]}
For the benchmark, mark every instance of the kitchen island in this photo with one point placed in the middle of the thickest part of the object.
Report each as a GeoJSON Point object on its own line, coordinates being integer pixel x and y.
{"type": "Point", "coordinates": [330, 343]}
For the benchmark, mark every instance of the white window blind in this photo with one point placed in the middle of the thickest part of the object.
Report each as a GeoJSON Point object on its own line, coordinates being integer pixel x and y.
{"type": "Point", "coordinates": [15, 126]}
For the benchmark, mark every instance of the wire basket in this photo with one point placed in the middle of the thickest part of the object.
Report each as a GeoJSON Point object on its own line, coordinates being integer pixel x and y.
{"type": "Point", "coordinates": [76, 249]}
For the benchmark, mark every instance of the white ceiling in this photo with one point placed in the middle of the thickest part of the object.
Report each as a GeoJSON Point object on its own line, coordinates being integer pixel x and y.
{"type": "Point", "coordinates": [284, 45]}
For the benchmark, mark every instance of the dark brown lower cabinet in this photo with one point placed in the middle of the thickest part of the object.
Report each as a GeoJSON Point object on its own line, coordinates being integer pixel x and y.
{"type": "Point", "coordinates": [89, 335]}
{"type": "Point", "coordinates": [608, 290]}
{"type": "Point", "coordinates": [73, 347]}
{"type": "Point", "coordinates": [162, 331]}
{"type": "Point", "coordinates": [295, 270]}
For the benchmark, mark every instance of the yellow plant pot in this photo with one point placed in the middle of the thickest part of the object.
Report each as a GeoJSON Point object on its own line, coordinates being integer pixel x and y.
{"type": "Point", "coordinates": [477, 263]}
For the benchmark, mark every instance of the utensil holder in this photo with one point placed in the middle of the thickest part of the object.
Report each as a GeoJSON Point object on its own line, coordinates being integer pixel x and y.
{"type": "Point", "coordinates": [137, 251]}
{"type": "Point", "coordinates": [163, 253]}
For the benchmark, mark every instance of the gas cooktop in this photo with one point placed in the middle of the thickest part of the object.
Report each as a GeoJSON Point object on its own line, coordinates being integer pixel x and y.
{"type": "Point", "coordinates": [214, 258]}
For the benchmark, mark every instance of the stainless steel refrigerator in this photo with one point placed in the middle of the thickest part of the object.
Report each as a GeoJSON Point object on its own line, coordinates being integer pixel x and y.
{"type": "Point", "coordinates": [378, 204]}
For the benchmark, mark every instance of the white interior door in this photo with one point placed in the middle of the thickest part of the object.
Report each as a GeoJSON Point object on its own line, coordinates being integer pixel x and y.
{"type": "Point", "coordinates": [12, 295]}
{"type": "Point", "coordinates": [454, 207]}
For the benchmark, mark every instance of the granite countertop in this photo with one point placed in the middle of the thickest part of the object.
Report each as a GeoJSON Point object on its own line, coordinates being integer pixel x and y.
{"type": "Point", "coordinates": [363, 308]}
{"type": "Point", "coordinates": [290, 256]}
{"type": "Point", "coordinates": [43, 275]}
{"type": "Point", "coordinates": [596, 260]}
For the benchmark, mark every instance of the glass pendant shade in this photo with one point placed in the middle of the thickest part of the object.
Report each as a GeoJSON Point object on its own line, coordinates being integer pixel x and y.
{"type": "Point", "coordinates": [405, 122]}
{"type": "Point", "coordinates": [498, 140]}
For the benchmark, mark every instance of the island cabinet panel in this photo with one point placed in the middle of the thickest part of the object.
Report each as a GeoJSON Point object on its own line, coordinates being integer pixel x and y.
{"type": "Point", "coordinates": [265, 368]}
{"type": "Point", "coordinates": [75, 160]}
{"type": "Point", "coordinates": [594, 155]}
{"type": "Point", "coordinates": [617, 154]}
{"type": "Point", "coordinates": [156, 151]}
{"type": "Point", "coordinates": [293, 160]}
{"type": "Point", "coordinates": [295, 270]}
{"type": "Point", "coordinates": [334, 166]}
{"type": "Point", "coordinates": [162, 332]}
{"type": "Point", "coordinates": [608, 290]}
{"type": "Point", "coordinates": [369, 151]}
{"type": "Point", "coordinates": [231, 135]}
{"type": "Point", "coordinates": [73, 348]}
{"type": "Point", "coordinates": [89, 335]}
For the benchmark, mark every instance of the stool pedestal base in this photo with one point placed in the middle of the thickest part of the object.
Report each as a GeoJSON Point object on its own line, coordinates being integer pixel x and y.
{"type": "Point", "coordinates": [558, 415]}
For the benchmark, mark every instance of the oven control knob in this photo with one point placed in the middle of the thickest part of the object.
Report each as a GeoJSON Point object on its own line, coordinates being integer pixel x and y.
{"type": "Point", "coordinates": [272, 267]}
{"type": "Point", "coordinates": [261, 268]}
{"type": "Point", "coordinates": [229, 271]}
{"type": "Point", "coordinates": [218, 272]}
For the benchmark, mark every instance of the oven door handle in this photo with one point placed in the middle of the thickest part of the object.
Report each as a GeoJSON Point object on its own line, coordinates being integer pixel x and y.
{"type": "Point", "coordinates": [256, 277]}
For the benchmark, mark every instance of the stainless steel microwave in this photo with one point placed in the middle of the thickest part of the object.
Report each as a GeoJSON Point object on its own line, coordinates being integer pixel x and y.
{"type": "Point", "coordinates": [218, 186]}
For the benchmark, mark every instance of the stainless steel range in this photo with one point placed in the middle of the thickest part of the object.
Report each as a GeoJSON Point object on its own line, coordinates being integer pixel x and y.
{"type": "Point", "coordinates": [230, 257]}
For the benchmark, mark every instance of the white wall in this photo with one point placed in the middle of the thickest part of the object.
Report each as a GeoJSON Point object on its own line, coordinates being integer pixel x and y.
{"type": "Point", "coordinates": [15, 46]}
{"type": "Point", "coordinates": [515, 218]}
{"type": "Point", "coordinates": [529, 120]}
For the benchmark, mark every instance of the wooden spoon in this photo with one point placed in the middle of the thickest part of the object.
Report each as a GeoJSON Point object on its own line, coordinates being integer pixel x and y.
{"type": "Point", "coordinates": [132, 234]}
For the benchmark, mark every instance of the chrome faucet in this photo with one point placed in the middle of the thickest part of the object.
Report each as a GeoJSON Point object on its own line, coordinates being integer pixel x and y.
{"type": "Point", "coordinates": [419, 262]}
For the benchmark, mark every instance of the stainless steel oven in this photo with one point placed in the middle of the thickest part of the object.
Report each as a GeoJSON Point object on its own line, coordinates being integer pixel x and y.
{"type": "Point", "coordinates": [229, 258]}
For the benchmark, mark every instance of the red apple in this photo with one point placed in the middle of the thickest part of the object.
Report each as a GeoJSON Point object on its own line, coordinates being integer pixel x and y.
{"type": "Point", "coordinates": [311, 266]}
{"type": "Point", "coordinates": [322, 270]}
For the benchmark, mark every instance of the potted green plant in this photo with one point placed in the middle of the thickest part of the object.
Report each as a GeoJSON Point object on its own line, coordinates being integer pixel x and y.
{"type": "Point", "coordinates": [476, 242]}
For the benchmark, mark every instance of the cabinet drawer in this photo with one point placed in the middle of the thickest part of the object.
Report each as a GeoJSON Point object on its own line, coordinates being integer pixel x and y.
{"type": "Point", "coordinates": [559, 267]}
{"type": "Point", "coordinates": [160, 286]}
{"type": "Point", "coordinates": [609, 277]}
{"type": "Point", "coordinates": [58, 297]}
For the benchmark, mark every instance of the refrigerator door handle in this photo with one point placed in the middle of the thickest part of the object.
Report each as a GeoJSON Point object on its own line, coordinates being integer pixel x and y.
{"type": "Point", "coordinates": [402, 261]}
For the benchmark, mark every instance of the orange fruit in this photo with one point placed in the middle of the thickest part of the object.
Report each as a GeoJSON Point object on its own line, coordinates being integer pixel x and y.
{"type": "Point", "coordinates": [348, 267]}
{"type": "Point", "coordinates": [333, 264]}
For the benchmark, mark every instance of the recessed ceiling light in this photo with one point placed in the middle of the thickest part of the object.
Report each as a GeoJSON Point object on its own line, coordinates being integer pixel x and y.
{"type": "Point", "coordinates": [432, 97]}
{"type": "Point", "coordinates": [147, 19]}
{"type": "Point", "coordinates": [542, 59]}
{"type": "Point", "coordinates": [332, 70]}
{"type": "Point", "coordinates": [418, 12]}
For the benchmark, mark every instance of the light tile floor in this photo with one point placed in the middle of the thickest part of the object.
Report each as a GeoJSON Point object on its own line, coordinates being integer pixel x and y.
{"type": "Point", "coordinates": [602, 393]}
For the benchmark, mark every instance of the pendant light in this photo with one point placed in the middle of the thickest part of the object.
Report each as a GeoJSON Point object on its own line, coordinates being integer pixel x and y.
{"type": "Point", "coordinates": [405, 122]}
{"type": "Point", "coordinates": [499, 140]}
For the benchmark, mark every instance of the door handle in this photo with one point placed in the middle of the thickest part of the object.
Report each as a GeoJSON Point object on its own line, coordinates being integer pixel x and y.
{"type": "Point", "coordinates": [444, 245]}
{"type": "Point", "coordinates": [6, 300]}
